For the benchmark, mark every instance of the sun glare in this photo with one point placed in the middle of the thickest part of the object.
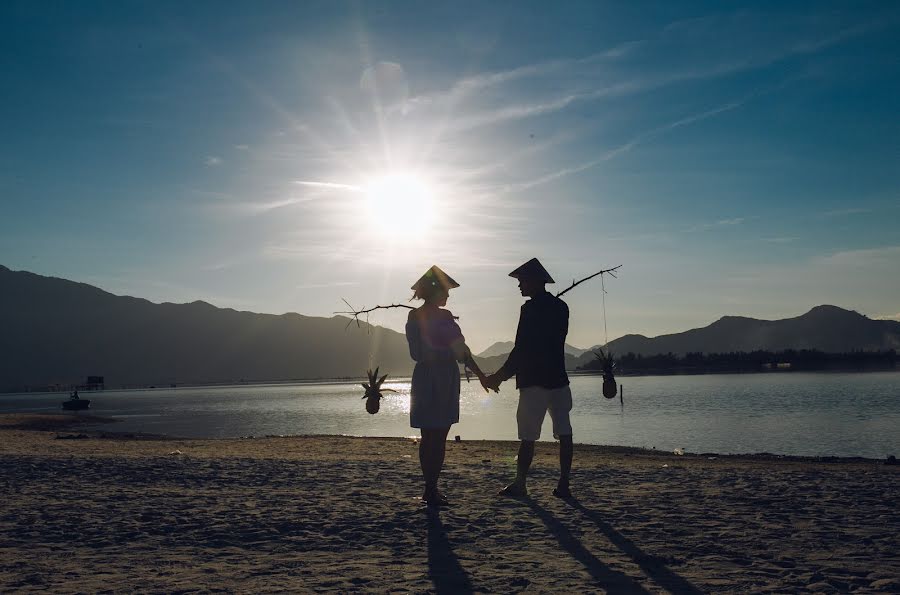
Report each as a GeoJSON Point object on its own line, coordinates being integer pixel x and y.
{"type": "Point", "coordinates": [401, 202]}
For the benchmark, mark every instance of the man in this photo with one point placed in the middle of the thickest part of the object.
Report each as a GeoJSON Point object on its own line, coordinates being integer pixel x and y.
{"type": "Point", "coordinates": [538, 362]}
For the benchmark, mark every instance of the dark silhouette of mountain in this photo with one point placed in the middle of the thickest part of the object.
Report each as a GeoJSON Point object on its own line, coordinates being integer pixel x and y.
{"type": "Point", "coordinates": [504, 347]}
{"type": "Point", "coordinates": [498, 348]}
{"type": "Point", "coordinates": [824, 328]}
{"type": "Point", "coordinates": [493, 363]}
{"type": "Point", "coordinates": [56, 331]}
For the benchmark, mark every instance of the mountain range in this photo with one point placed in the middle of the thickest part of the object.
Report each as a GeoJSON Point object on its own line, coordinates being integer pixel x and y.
{"type": "Point", "coordinates": [57, 332]}
{"type": "Point", "coordinates": [503, 347]}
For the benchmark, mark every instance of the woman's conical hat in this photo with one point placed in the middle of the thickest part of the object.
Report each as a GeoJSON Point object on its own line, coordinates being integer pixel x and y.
{"type": "Point", "coordinates": [434, 277]}
{"type": "Point", "coordinates": [533, 269]}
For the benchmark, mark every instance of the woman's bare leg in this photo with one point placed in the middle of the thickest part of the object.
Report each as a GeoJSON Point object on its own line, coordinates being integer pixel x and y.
{"type": "Point", "coordinates": [432, 451]}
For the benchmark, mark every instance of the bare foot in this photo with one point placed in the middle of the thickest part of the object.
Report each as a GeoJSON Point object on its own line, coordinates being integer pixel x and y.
{"type": "Point", "coordinates": [562, 491]}
{"type": "Point", "coordinates": [514, 490]}
{"type": "Point", "coordinates": [435, 498]}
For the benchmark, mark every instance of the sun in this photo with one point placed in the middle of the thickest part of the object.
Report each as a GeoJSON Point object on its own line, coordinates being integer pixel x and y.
{"type": "Point", "coordinates": [401, 201]}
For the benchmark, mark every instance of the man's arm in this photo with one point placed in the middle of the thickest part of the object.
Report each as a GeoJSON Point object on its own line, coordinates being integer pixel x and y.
{"type": "Point", "coordinates": [513, 360]}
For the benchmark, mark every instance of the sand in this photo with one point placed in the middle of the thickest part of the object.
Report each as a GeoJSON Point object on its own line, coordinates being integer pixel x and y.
{"type": "Point", "coordinates": [328, 513]}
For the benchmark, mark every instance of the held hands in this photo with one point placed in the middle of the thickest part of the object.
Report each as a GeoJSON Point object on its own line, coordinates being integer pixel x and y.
{"type": "Point", "coordinates": [490, 383]}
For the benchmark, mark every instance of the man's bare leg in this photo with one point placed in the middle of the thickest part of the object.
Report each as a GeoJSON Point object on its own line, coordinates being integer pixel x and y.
{"type": "Point", "coordinates": [566, 450]}
{"type": "Point", "coordinates": [523, 464]}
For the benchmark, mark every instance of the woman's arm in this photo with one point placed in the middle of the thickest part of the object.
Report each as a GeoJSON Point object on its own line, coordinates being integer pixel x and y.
{"type": "Point", "coordinates": [414, 337]}
{"type": "Point", "coordinates": [470, 363]}
{"type": "Point", "coordinates": [462, 353]}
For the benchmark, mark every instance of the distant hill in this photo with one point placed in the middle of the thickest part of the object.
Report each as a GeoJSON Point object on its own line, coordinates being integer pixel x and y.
{"type": "Point", "coordinates": [56, 331]}
{"type": "Point", "coordinates": [498, 348]}
{"type": "Point", "coordinates": [824, 328]}
{"type": "Point", "coordinates": [504, 347]}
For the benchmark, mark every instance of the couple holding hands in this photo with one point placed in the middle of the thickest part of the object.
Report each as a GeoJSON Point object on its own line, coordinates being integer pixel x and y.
{"type": "Point", "coordinates": [537, 361]}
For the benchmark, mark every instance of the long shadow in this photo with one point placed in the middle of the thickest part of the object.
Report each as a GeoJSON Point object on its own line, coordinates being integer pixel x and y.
{"type": "Point", "coordinates": [652, 566]}
{"type": "Point", "coordinates": [444, 568]}
{"type": "Point", "coordinates": [612, 580]}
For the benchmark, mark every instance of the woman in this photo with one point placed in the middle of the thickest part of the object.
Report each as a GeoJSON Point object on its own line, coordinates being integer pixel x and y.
{"type": "Point", "coordinates": [436, 344]}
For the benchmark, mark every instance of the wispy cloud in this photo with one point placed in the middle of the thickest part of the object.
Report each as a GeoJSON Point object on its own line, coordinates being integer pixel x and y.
{"type": "Point", "coordinates": [327, 285]}
{"type": "Point", "coordinates": [889, 317]}
{"type": "Point", "coordinates": [213, 161]}
{"type": "Point", "coordinates": [483, 81]}
{"type": "Point", "coordinates": [585, 69]}
{"type": "Point", "coordinates": [328, 185]}
{"type": "Point", "coordinates": [264, 207]}
{"type": "Point", "coordinates": [846, 212]}
{"type": "Point", "coordinates": [781, 240]}
{"type": "Point", "coordinates": [716, 224]}
{"type": "Point", "coordinates": [624, 148]}
{"type": "Point", "coordinates": [866, 257]}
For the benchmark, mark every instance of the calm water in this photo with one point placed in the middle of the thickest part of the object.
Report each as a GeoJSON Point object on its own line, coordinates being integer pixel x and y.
{"type": "Point", "coordinates": [792, 413]}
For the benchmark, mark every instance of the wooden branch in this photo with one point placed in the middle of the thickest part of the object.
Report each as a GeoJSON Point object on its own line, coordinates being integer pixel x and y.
{"type": "Point", "coordinates": [611, 272]}
{"type": "Point", "coordinates": [355, 313]}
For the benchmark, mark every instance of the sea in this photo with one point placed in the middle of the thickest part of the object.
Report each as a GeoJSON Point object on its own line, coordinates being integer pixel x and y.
{"type": "Point", "coordinates": [788, 413]}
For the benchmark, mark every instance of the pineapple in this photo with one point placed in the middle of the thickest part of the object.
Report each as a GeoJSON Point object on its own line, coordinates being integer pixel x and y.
{"type": "Point", "coordinates": [610, 388]}
{"type": "Point", "coordinates": [374, 390]}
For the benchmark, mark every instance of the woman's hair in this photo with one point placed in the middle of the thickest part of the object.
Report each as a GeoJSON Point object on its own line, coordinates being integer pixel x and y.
{"type": "Point", "coordinates": [427, 292]}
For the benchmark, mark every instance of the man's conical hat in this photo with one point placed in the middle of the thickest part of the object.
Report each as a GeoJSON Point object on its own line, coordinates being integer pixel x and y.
{"type": "Point", "coordinates": [533, 269]}
{"type": "Point", "coordinates": [434, 277]}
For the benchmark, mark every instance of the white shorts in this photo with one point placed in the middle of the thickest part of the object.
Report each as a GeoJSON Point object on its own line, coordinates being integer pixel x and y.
{"type": "Point", "coordinates": [535, 402]}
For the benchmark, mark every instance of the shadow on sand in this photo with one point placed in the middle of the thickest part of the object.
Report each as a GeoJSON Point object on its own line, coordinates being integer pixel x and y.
{"type": "Point", "coordinates": [653, 566]}
{"type": "Point", "coordinates": [611, 580]}
{"type": "Point", "coordinates": [444, 569]}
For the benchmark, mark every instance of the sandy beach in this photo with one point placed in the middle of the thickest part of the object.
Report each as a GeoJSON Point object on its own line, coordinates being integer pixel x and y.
{"type": "Point", "coordinates": [98, 512]}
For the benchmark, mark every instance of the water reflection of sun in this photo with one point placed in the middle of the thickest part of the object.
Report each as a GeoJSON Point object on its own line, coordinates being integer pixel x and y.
{"type": "Point", "coordinates": [397, 402]}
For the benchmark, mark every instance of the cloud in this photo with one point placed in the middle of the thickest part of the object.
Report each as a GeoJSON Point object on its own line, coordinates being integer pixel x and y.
{"type": "Point", "coordinates": [263, 207]}
{"type": "Point", "coordinates": [868, 257]}
{"type": "Point", "coordinates": [329, 185]}
{"type": "Point", "coordinates": [326, 285]}
{"type": "Point", "coordinates": [624, 148]}
{"type": "Point", "coordinates": [781, 240]}
{"type": "Point", "coordinates": [845, 212]}
{"type": "Point", "coordinates": [716, 224]}
{"type": "Point", "coordinates": [577, 70]}
{"type": "Point", "coordinates": [213, 161]}
{"type": "Point", "coordinates": [487, 80]}
{"type": "Point", "coordinates": [888, 317]}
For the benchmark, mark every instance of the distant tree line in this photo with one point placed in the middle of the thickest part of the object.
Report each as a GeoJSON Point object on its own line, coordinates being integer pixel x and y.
{"type": "Point", "coordinates": [753, 361]}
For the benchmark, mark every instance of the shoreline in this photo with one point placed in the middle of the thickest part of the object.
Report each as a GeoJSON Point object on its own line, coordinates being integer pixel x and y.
{"type": "Point", "coordinates": [339, 513]}
{"type": "Point", "coordinates": [68, 427]}
{"type": "Point", "coordinates": [406, 378]}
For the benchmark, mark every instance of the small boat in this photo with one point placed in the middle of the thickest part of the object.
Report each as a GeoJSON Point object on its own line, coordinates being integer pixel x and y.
{"type": "Point", "coordinates": [75, 404]}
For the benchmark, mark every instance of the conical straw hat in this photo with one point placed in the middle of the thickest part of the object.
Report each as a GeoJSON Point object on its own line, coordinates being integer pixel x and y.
{"type": "Point", "coordinates": [434, 277]}
{"type": "Point", "coordinates": [533, 269]}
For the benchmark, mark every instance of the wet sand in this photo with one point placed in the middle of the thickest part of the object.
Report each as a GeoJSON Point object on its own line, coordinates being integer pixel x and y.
{"type": "Point", "coordinates": [108, 513]}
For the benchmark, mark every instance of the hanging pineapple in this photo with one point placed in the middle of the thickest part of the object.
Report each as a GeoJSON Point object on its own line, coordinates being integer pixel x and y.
{"type": "Point", "coordinates": [374, 390]}
{"type": "Point", "coordinates": [608, 365]}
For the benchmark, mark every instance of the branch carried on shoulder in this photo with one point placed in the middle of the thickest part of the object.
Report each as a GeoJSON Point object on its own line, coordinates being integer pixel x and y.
{"type": "Point", "coordinates": [611, 272]}
{"type": "Point", "coordinates": [355, 313]}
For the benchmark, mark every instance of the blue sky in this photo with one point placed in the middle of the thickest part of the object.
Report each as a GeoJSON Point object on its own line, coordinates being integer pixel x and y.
{"type": "Point", "coordinates": [734, 158]}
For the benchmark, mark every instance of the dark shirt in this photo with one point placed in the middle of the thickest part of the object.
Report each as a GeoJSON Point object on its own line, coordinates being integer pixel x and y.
{"type": "Point", "coordinates": [539, 357]}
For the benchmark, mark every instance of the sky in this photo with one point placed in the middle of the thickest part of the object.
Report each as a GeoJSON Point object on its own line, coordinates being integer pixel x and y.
{"type": "Point", "coordinates": [734, 158]}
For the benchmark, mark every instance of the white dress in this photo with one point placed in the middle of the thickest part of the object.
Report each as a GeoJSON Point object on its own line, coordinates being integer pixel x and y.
{"type": "Point", "coordinates": [436, 344]}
